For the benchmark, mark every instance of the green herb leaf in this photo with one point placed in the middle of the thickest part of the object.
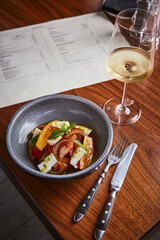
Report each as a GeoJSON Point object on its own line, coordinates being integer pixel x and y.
{"type": "Point", "coordinates": [34, 140]}
{"type": "Point", "coordinates": [44, 156]}
{"type": "Point", "coordinates": [59, 132]}
{"type": "Point", "coordinates": [72, 125]}
{"type": "Point", "coordinates": [56, 133]}
{"type": "Point", "coordinates": [63, 128]}
{"type": "Point", "coordinates": [79, 143]}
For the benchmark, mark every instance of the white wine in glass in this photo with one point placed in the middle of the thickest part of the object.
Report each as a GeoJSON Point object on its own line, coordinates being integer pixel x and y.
{"type": "Point", "coordinates": [130, 60]}
{"type": "Point", "coordinates": [129, 64]}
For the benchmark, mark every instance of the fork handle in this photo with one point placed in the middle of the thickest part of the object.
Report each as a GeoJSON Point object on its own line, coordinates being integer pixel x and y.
{"type": "Point", "coordinates": [86, 202]}
{"type": "Point", "coordinates": [105, 216]}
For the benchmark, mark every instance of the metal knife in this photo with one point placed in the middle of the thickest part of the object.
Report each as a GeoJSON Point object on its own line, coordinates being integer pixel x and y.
{"type": "Point", "coordinates": [116, 183]}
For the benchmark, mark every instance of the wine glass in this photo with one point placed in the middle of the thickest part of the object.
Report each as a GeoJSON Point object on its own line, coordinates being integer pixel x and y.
{"type": "Point", "coordinates": [130, 60]}
{"type": "Point", "coordinates": [154, 8]}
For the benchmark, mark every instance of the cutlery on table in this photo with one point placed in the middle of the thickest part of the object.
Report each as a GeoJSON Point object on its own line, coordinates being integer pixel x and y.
{"type": "Point", "coordinates": [116, 183]}
{"type": "Point", "coordinates": [113, 158]}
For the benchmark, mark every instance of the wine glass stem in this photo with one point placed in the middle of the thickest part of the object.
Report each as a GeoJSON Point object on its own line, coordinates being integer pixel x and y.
{"type": "Point", "coordinates": [123, 103]}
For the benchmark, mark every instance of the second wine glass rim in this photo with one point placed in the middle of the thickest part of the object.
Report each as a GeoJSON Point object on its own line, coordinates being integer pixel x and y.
{"type": "Point", "coordinates": [134, 9]}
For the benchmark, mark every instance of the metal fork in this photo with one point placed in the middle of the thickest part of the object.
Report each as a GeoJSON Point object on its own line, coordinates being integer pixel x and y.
{"type": "Point", "coordinates": [113, 158]}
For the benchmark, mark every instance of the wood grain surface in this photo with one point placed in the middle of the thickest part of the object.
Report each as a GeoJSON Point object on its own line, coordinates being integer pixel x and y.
{"type": "Point", "coordinates": [137, 205]}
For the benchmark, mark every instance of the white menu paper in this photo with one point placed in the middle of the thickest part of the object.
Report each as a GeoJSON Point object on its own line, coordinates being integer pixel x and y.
{"type": "Point", "coordinates": [52, 57]}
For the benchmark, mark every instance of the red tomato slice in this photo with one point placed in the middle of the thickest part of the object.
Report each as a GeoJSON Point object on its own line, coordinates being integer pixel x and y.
{"type": "Point", "coordinates": [41, 126]}
{"type": "Point", "coordinates": [37, 153]}
{"type": "Point", "coordinates": [49, 149]}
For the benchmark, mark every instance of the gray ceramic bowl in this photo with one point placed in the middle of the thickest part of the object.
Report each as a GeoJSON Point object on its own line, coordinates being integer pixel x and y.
{"type": "Point", "coordinates": [58, 107]}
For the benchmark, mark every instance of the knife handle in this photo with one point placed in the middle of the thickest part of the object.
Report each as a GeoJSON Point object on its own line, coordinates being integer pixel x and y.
{"type": "Point", "coordinates": [105, 216]}
{"type": "Point", "coordinates": [86, 202]}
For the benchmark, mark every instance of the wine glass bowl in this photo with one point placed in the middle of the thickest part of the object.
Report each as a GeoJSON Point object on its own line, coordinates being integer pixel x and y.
{"type": "Point", "coordinates": [130, 60]}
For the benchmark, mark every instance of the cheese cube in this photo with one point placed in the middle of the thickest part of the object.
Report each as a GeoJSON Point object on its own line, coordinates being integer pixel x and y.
{"type": "Point", "coordinates": [77, 155]}
{"type": "Point", "coordinates": [47, 164]}
{"type": "Point", "coordinates": [60, 124]}
{"type": "Point", "coordinates": [37, 131]}
{"type": "Point", "coordinates": [86, 131]}
{"type": "Point", "coordinates": [54, 141]}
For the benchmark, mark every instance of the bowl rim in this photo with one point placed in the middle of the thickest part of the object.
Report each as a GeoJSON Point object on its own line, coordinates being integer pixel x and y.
{"type": "Point", "coordinates": [77, 174]}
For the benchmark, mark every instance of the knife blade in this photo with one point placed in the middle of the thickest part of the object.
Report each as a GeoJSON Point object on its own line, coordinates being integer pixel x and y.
{"type": "Point", "coordinates": [116, 183]}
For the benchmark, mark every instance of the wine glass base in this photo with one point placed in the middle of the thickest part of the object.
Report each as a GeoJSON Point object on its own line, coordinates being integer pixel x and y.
{"type": "Point", "coordinates": [120, 115]}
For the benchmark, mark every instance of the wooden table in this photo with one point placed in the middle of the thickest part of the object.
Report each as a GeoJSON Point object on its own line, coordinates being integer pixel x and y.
{"type": "Point", "coordinates": [137, 205]}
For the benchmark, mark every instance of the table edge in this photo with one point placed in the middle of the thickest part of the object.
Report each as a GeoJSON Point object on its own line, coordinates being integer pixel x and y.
{"type": "Point", "coordinates": [30, 201]}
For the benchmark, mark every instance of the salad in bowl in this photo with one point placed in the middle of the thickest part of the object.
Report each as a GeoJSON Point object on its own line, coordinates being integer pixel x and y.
{"type": "Point", "coordinates": [60, 147]}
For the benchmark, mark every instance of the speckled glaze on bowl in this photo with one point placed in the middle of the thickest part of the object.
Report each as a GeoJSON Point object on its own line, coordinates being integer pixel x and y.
{"type": "Point", "coordinates": [58, 107]}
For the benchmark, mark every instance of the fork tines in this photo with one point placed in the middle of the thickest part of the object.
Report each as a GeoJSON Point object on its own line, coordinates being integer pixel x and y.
{"type": "Point", "coordinates": [120, 146]}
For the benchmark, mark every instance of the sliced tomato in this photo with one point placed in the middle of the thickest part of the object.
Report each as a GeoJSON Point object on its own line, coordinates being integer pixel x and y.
{"type": "Point", "coordinates": [41, 126]}
{"type": "Point", "coordinates": [67, 161]}
{"type": "Point", "coordinates": [81, 138]}
{"type": "Point", "coordinates": [59, 168]}
{"type": "Point", "coordinates": [71, 151]}
{"type": "Point", "coordinates": [63, 151]}
{"type": "Point", "coordinates": [64, 147]}
{"type": "Point", "coordinates": [74, 131]}
{"type": "Point", "coordinates": [37, 153]}
{"type": "Point", "coordinates": [49, 149]}
{"type": "Point", "coordinates": [78, 164]}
